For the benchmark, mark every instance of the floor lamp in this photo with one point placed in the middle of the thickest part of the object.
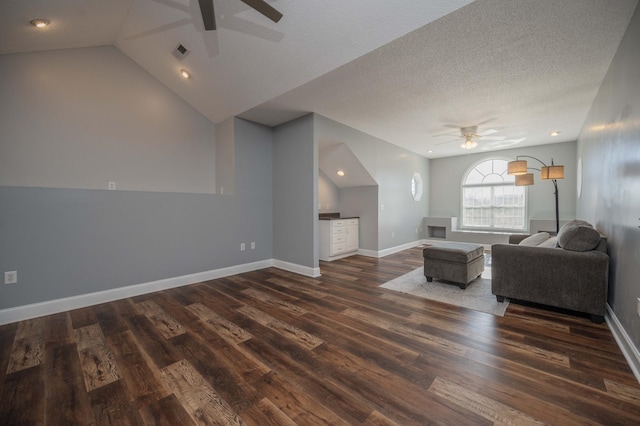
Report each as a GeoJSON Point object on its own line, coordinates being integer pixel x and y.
{"type": "Point", "coordinates": [519, 169]}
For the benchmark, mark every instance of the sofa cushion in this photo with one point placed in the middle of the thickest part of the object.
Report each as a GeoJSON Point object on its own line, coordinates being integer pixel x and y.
{"type": "Point", "coordinates": [578, 235]}
{"type": "Point", "coordinates": [549, 243]}
{"type": "Point", "coordinates": [535, 239]}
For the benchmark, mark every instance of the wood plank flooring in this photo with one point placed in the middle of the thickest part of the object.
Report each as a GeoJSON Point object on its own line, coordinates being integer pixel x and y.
{"type": "Point", "coordinates": [271, 347]}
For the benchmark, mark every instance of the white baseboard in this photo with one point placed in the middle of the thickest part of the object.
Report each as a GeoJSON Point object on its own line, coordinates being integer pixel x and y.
{"type": "Point", "coordinates": [392, 250]}
{"type": "Point", "coordinates": [34, 310]}
{"type": "Point", "coordinates": [396, 249]}
{"type": "Point", "coordinates": [368, 253]}
{"type": "Point", "coordinates": [298, 269]}
{"type": "Point", "coordinates": [623, 340]}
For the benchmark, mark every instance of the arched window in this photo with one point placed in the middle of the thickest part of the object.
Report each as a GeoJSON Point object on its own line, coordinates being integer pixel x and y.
{"type": "Point", "coordinates": [490, 199]}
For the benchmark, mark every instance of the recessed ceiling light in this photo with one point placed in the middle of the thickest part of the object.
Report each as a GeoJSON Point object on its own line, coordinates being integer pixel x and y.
{"type": "Point", "coordinates": [554, 133]}
{"type": "Point", "coordinates": [430, 151]}
{"type": "Point", "coordinates": [340, 173]}
{"type": "Point", "coordinates": [39, 23]}
{"type": "Point", "coordinates": [185, 74]}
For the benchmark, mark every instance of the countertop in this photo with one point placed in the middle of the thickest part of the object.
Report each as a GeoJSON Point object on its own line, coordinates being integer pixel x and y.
{"type": "Point", "coordinates": [337, 218]}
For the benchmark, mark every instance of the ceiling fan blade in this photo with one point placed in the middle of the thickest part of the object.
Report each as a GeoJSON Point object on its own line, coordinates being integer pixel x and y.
{"type": "Point", "coordinates": [487, 132]}
{"type": "Point", "coordinates": [493, 138]}
{"type": "Point", "coordinates": [448, 134]}
{"type": "Point", "coordinates": [264, 8]}
{"type": "Point", "coordinates": [208, 16]}
{"type": "Point", "coordinates": [489, 120]}
{"type": "Point", "coordinates": [442, 143]}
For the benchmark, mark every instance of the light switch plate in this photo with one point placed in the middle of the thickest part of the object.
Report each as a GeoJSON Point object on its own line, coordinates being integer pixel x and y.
{"type": "Point", "coordinates": [11, 277]}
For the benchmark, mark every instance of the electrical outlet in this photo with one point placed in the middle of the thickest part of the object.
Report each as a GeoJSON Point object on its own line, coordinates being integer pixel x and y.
{"type": "Point", "coordinates": [112, 186]}
{"type": "Point", "coordinates": [242, 246]}
{"type": "Point", "coordinates": [393, 235]}
{"type": "Point", "coordinates": [11, 277]}
{"type": "Point", "coordinates": [381, 206]}
{"type": "Point", "coordinates": [253, 245]}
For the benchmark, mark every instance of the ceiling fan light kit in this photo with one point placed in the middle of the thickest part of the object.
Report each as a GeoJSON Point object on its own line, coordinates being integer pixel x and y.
{"type": "Point", "coordinates": [469, 144]}
{"type": "Point", "coordinates": [470, 136]}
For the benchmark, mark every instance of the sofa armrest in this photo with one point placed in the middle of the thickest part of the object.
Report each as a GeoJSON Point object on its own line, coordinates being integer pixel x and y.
{"type": "Point", "coordinates": [551, 276]}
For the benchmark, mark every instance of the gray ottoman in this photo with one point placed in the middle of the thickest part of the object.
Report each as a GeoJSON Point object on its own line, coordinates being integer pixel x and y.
{"type": "Point", "coordinates": [459, 263]}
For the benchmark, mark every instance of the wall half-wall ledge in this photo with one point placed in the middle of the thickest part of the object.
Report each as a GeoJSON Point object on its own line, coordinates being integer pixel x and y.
{"type": "Point", "coordinates": [50, 307]}
{"type": "Point", "coordinates": [446, 229]}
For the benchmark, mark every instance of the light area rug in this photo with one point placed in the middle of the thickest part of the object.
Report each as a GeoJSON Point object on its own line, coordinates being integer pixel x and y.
{"type": "Point", "coordinates": [476, 296]}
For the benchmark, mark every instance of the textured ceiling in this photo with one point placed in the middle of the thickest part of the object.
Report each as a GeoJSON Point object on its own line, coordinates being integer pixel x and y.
{"type": "Point", "coordinates": [403, 71]}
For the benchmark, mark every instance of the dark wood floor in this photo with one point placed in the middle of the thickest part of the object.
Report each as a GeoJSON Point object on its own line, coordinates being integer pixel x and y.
{"type": "Point", "coordinates": [273, 347]}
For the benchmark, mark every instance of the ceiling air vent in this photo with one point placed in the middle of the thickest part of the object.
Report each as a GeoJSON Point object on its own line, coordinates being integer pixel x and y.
{"type": "Point", "coordinates": [180, 52]}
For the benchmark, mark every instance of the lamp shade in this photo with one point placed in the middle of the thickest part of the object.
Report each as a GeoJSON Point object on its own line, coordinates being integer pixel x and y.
{"type": "Point", "coordinates": [552, 172]}
{"type": "Point", "coordinates": [524, 179]}
{"type": "Point", "coordinates": [518, 167]}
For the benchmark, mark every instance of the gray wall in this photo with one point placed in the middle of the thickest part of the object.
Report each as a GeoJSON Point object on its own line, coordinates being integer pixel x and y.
{"type": "Point", "coordinates": [447, 173]}
{"type": "Point", "coordinates": [393, 168]}
{"type": "Point", "coordinates": [67, 242]}
{"type": "Point", "coordinates": [609, 147]}
{"type": "Point", "coordinates": [295, 192]}
{"type": "Point", "coordinates": [362, 201]}
{"type": "Point", "coordinates": [225, 161]}
{"type": "Point", "coordinates": [80, 118]}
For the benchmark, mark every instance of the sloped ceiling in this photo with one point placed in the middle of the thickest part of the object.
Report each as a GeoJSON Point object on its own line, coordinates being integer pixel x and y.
{"type": "Point", "coordinates": [406, 72]}
{"type": "Point", "coordinates": [339, 157]}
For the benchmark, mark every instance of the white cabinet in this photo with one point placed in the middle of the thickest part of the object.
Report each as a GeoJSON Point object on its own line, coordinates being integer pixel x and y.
{"type": "Point", "coordinates": [352, 239]}
{"type": "Point", "coordinates": [338, 238]}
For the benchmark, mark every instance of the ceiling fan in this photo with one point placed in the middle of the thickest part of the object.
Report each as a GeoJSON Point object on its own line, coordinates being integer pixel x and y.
{"type": "Point", "coordinates": [470, 136]}
{"type": "Point", "coordinates": [209, 19]}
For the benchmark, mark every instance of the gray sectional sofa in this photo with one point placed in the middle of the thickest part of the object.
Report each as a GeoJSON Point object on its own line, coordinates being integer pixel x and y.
{"type": "Point", "coordinates": [569, 271]}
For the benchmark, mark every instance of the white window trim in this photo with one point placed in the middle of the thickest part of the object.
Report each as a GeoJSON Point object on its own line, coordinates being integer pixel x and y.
{"type": "Point", "coordinates": [461, 226]}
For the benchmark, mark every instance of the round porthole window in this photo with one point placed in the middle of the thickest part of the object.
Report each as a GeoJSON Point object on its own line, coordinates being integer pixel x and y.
{"type": "Point", "coordinates": [416, 186]}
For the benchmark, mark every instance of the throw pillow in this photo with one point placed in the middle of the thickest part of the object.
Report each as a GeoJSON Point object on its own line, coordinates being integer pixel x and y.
{"type": "Point", "coordinates": [535, 239]}
{"type": "Point", "coordinates": [550, 243]}
{"type": "Point", "coordinates": [578, 235]}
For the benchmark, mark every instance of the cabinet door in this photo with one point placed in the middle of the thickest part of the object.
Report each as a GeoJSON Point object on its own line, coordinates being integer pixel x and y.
{"type": "Point", "coordinates": [352, 240]}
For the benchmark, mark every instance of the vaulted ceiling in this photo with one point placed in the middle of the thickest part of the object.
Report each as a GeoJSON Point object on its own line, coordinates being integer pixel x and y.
{"type": "Point", "coordinates": [410, 72]}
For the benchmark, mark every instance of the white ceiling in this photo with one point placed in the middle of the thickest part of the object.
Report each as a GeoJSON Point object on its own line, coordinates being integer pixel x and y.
{"type": "Point", "coordinates": [403, 71]}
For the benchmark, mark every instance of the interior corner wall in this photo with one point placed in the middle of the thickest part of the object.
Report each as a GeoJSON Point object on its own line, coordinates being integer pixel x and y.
{"type": "Point", "coordinates": [609, 149]}
{"type": "Point", "coordinates": [328, 195]}
{"type": "Point", "coordinates": [225, 159]}
{"type": "Point", "coordinates": [399, 217]}
{"type": "Point", "coordinates": [81, 118]}
{"type": "Point", "coordinates": [447, 174]}
{"type": "Point", "coordinates": [70, 242]}
{"type": "Point", "coordinates": [295, 192]}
